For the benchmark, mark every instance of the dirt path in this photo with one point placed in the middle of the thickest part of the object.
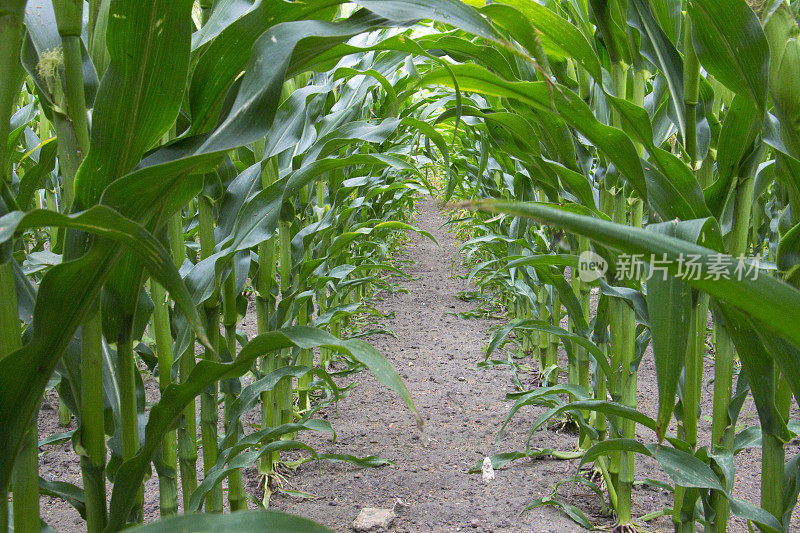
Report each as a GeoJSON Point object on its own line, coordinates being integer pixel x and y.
{"type": "Point", "coordinates": [436, 354]}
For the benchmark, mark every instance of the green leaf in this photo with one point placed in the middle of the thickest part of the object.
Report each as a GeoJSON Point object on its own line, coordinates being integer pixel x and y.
{"type": "Point", "coordinates": [382, 370]}
{"type": "Point", "coordinates": [607, 17]}
{"type": "Point", "coordinates": [32, 179]}
{"type": "Point", "coordinates": [105, 222]}
{"type": "Point", "coordinates": [544, 395]}
{"type": "Point", "coordinates": [763, 519]}
{"type": "Point", "coordinates": [66, 491]}
{"type": "Point", "coordinates": [601, 406]}
{"type": "Point", "coordinates": [657, 47]}
{"type": "Point", "coordinates": [499, 461]}
{"type": "Point", "coordinates": [731, 45]}
{"type": "Point", "coordinates": [224, 46]}
{"type": "Point", "coordinates": [606, 447]}
{"type": "Point", "coordinates": [246, 522]}
{"type": "Point", "coordinates": [502, 460]}
{"type": "Point", "coordinates": [575, 514]}
{"type": "Point", "coordinates": [258, 218]}
{"type": "Point", "coordinates": [785, 353]}
{"type": "Point", "coordinates": [791, 484]}
{"type": "Point", "coordinates": [370, 461]}
{"type": "Point", "coordinates": [672, 188]}
{"type": "Point", "coordinates": [788, 257]}
{"type": "Point", "coordinates": [669, 306]}
{"type": "Point", "coordinates": [683, 468]}
{"type": "Point", "coordinates": [242, 460]}
{"type": "Point", "coordinates": [556, 29]}
{"type": "Point", "coordinates": [499, 337]}
{"type": "Point", "coordinates": [141, 90]}
{"type": "Point", "coordinates": [737, 142]}
{"type": "Point", "coordinates": [452, 12]}
{"type": "Point", "coordinates": [668, 14]}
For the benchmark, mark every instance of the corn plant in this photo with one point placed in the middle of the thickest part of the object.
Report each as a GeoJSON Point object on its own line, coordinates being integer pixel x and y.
{"type": "Point", "coordinates": [659, 141]}
{"type": "Point", "coordinates": [192, 159]}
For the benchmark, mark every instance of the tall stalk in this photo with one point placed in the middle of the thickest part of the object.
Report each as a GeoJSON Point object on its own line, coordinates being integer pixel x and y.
{"type": "Point", "coordinates": [92, 424]}
{"type": "Point", "coordinates": [236, 496]}
{"type": "Point", "coordinates": [683, 519]}
{"type": "Point", "coordinates": [582, 370]}
{"type": "Point", "coordinates": [543, 341]}
{"type": "Point", "coordinates": [187, 432]}
{"type": "Point", "coordinates": [168, 475]}
{"type": "Point", "coordinates": [623, 321]}
{"type": "Point", "coordinates": [209, 414]}
{"type": "Point", "coordinates": [619, 326]}
{"type": "Point", "coordinates": [773, 457]}
{"type": "Point", "coordinates": [322, 292]}
{"type": "Point", "coordinates": [601, 423]}
{"type": "Point", "coordinates": [722, 430]}
{"type": "Point", "coordinates": [552, 348]}
{"type": "Point", "coordinates": [625, 345]}
{"type": "Point", "coordinates": [265, 307]}
{"type": "Point", "coordinates": [781, 29]}
{"type": "Point", "coordinates": [683, 514]}
{"type": "Point", "coordinates": [283, 391]}
{"type": "Point", "coordinates": [129, 423]}
{"type": "Point", "coordinates": [25, 475]}
{"type": "Point", "coordinates": [691, 90]}
{"type": "Point", "coordinates": [305, 357]}
{"type": "Point", "coordinates": [69, 18]}
{"type": "Point", "coordinates": [26, 495]}
{"type": "Point", "coordinates": [11, 28]}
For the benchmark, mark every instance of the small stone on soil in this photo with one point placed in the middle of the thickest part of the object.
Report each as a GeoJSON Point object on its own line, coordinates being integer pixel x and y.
{"type": "Point", "coordinates": [372, 519]}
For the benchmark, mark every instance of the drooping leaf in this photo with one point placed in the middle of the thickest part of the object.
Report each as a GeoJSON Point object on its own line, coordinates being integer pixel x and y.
{"type": "Point", "coordinates": [669, 306]}
{"type": "Point", "coordinates": [246, 522]}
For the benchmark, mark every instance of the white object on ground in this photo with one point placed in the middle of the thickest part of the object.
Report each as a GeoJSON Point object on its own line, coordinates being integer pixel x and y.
{"type": "Point", "coordinates": [487, 470]}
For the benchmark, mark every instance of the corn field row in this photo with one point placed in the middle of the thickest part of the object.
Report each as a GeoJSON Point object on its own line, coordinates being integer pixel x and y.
{"type": "Point", "coordinates": [625, 173]}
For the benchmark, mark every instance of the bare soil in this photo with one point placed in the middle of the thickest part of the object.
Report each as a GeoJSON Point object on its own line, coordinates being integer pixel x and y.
{"type": "Point", "coordinates": [436, 353]}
